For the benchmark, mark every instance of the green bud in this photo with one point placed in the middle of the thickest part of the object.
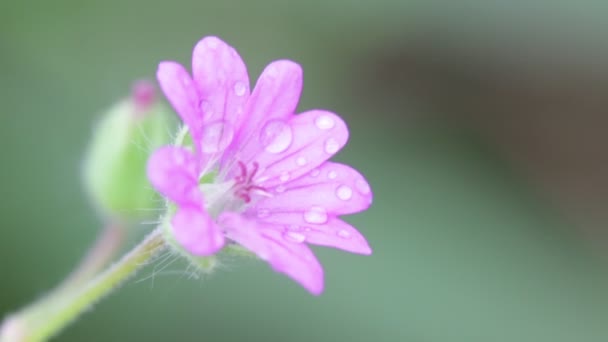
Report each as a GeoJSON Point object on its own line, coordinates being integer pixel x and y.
{"type": "Point", "coordinates": [114, 168]}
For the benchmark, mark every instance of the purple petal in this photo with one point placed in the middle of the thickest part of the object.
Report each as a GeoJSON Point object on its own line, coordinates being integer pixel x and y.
{"type": "Point", "coordinates": [222, 80]}
{"type": "Point", "coordinates": [179, 89]}
{"type": "Point", "coordinates": [173, 172]}
{"type": "Point", "coordinates": [196, 231]}
{"type": "Point", "coordinates": [336, 188]}
{"type": "Point", "coordinates": [286, 256]}
{"type": "Point", "coordinates": [274, 99]}
{"type": "Point", "coordinates": [335, 233]}
{"type": "Point", "coordinates": [316, 136]}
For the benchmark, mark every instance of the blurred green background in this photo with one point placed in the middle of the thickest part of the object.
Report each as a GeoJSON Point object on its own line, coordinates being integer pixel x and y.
{"type": "Point", "coordinates": [479, 124]}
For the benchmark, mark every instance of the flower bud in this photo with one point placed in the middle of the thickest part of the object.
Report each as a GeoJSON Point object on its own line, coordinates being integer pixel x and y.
{"type": "Point", "coordinates": [114, 168]}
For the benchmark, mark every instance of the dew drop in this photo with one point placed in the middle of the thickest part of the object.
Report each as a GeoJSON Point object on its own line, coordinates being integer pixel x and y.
{"type": "Point", "coordinates": [276, 136]}
{"type": "Point", "coordinates": [343, 234]}
{"type": "Point", "coordinates": [204, 106]}
{"type": "Point", "coordinates": [316, 215]}
{"type": "Point", "coordinates": [314, 173]}
{"type": "Point", "coordinates": [271, 71]}
{"type": "Point", "coordinates": [293, 227]}
{"type": "Point", "coordinates": [295, 237]}
{"type": "Point", "coordinates": [262, 213]}
{"type": "Point", "coordinates": [284, 177]}
{"type": "Point", "coordinates": [301, 161]}
{"type": "Point", "coordinates": [325, 122]}
{"type": "Point", "coordinates": [179, 159]}
{"type": "Point", "coordinates": [332, 175]}
{"type": "Point", "coordinates": [332, 146]}
{"type": "Point", "coordinates": [362, 186]}
{"type": "Point", "coordinates": [212, 43]}
{"type": "Point", "coordinates": [239, 88]}
{"type": "Point", "coordinates": [344, 192]}
{"type": "Point", "coordinates": [216, 137]}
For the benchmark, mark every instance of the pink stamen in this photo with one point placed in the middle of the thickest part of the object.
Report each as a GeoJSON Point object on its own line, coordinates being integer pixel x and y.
{"type": "Point", "coordinates": [244, 183]}
{"type": "Point", "coordinates": [254, 171]}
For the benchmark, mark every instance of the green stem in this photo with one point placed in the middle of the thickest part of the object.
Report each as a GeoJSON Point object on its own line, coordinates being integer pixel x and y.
{"type": "Point", "coordinates": [38, 326]}
{"type": "Point", "coordinates": [101, 253]}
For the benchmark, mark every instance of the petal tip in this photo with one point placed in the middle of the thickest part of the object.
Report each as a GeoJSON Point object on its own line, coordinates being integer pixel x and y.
{"type": "Point", "coordinates": [367, 250]}
{"type": "Point", "coordinates": [316, 290]}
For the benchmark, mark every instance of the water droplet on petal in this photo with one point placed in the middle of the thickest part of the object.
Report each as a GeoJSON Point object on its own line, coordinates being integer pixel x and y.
{"type": "Point", "coordinates": [276, 136]}
{"type": "Point", "coordinates": [212, 43]}
{"type": "Point", "coordinates": [314, 173]}
{"type": "Point", "coordinates": [343, 234]}
{"type": "Point", "coordinates": [280, 189]}
{"type": "Point", "coordinates": [295, 237]}
{"type": "Point", "coordinates": [179, 159]}
{"type": "Point", "coordinates": [239, 88]}
{"type": "Point", "coordinates": [332, 175]}
{"type": "Point", "coordinates": [262, 213]}
{"type": "Point", "coordinates": [301, 161]}
{"type": "Point", "coordinates": [332, 146]}
{"type": "Point", "coordinates": [316, 215]}
{"type": "Point", "coordinates": [272, 71]}
{"type": "Point", "coordinates": [284, 177]}
{"type": "Point", "coordinates": [325, 122]}
{"type": "Point", "coordinates": [186, 81]}
{"type": "Point", "coordinates": [204, 106]}
{"type": "Point", "coordinates": [344, 192]}
{"type": "Point", "coordinates": [362, 186]}
{"type": "Point", "coordinates": [216, 137]}
{"type": "Point", "coordinates": [293, 227]}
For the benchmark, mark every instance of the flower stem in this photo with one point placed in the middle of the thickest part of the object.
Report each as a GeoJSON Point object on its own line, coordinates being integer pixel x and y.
{"type": "Point", "coordinates": [108, 242]}
{"type": "Point", "coordinates": [105, 248]}
{"type": "Point", "coordinates": [40, 325]}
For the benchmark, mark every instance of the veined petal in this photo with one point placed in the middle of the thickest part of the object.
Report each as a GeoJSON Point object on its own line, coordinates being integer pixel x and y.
{"type": "Point", "coordinates": [336, 188]}
{"type": "Point", "coordinates": [290, 257]}
{"type": "Point", "coordinates": [335, 233]}
{"type": "Point", "coordinates": [316, 136]}
{"type": "Point", "coordinates": [178, 87]}
{"type": "Point", "coordinates": [196, 231]}
{"type": "Point", "coordinates": [173, 172]}
{"type": "Point", "coordinates": [274, 100]}
{"type": "Point", "coordinates": [221, 79]}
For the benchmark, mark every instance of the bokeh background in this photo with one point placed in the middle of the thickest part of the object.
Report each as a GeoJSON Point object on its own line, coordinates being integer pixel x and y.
{"type": "Point", "coordinates": [481, 126]}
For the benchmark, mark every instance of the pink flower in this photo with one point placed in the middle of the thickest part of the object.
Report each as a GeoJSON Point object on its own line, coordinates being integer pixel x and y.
{"type": "Point", "coordinates": [256, 173]}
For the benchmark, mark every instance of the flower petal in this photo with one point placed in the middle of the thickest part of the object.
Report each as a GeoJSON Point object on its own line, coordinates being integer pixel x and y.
{"type": "Point", "coordinates": [335, 233]}
{"type": "Point", "coordinates": [286, 256]}
{"type": "Point", "coordinates": [196, 231]}
{"type": "Point", "coordinates": [222, 80]}
{"type": "Point", "coordinates": [316, 136]}
{"type": "Point", "coordinates": [276, 93]}
{"type": "Point", "coordinates": [179, 89]}
{"type": "Point", "coordinates": [274, 99]}
{"type": "Point", "coordinates": [336, 188]}
{"type": "Point", "coordinates": [173, 172]}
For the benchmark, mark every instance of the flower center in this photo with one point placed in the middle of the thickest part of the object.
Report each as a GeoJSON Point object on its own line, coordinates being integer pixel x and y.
{"type": "Point", "coordinates": [231, 195]}
{"type": "Point", "coordinates": [245, 185]}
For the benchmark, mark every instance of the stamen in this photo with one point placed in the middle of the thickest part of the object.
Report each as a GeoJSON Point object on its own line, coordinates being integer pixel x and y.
{"type": "Point", "coordinates": [245, 183]}
{"type": "Point", "coordinates": [253, 172]}
{"type": "Point", "coordinates": [241, 178]}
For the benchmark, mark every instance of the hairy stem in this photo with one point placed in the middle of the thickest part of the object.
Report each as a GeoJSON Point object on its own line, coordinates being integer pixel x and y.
{"type": "Point", "coordinates": [42, 324]}
{"type": "Point", "coordinates": [105, 248]}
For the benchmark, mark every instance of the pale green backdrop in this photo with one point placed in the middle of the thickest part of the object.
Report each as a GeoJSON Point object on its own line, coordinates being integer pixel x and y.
{"type": "Point", "coordinates": [464, 248]}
